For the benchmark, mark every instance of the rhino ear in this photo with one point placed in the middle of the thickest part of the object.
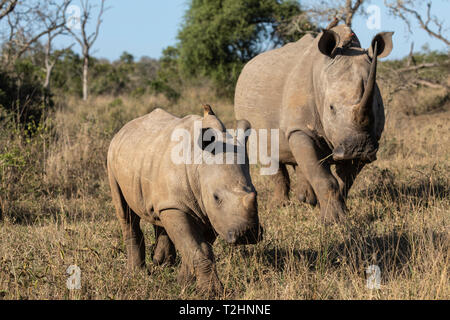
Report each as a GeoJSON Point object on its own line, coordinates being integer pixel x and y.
{"type": "Point", "coordinates": [384, 44]}
{"type": "Point", "coordinates": [328, 42]}
{"type": "Point", "coordinates": [207, 110]}
{"type": "Point", "coordinates": [243, 125]}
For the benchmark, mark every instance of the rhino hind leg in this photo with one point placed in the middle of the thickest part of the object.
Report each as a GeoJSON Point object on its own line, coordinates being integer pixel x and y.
{"type": "Point", "coordinates": [282, 184]}
{"type": "Point", "coordinates": [305, 192]}
{"type": "Point", "coordinates": [130, 225]}
{"type": "Point", "coordinates": [165, 252]}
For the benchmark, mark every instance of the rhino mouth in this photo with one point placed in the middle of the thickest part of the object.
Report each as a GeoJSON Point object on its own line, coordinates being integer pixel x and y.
{"type": "Point", "coordinates": [239, 236]}
{"type": "Point", "coordinates": [370, 156]}
{"type": "Point", "coordinates": [364, 149]}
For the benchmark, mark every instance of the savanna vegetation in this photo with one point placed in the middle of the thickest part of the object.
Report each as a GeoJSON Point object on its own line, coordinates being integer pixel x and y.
{"type": "Point", "coordinates": [55, 205]}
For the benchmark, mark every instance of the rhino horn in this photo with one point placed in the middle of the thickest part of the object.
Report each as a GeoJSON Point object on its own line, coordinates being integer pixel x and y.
{"type": "Point", "coordinates": [207, 110]}
{"type": "Point", "coordinates": [364, 108]}
{"type": "Point", "coordinates": [249, 201]}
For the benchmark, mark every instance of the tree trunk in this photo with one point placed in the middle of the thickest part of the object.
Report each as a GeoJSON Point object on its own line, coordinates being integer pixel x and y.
{"type": "Point", "coordinates": [48, 73]}
{"type": "Point", "coordinates": [85, 77]}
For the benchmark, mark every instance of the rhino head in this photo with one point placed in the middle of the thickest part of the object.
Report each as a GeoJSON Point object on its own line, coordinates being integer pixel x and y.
{"type": "Point", "coordinates": [227, 192]}
{"type": "Point", "coordinates": [349, 99]}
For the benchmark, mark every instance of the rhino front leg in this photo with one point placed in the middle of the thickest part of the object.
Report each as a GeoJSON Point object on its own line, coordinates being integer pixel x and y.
{"type": "Point", "coordinates": [165, 252]}
{"type": "Point", "coordinates": [282, 184]}
{"type": "Point", "coordinates": [319, 175]}
{"type": "Point", "coordinates": [346, 173]}
{"type": "Point", "coordinates": [305, 192]}
{"type": "Point", "coordinates": [196, 253]}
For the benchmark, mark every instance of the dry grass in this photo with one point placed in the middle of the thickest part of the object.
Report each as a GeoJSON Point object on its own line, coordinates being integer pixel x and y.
{"type": "Point", "coordinates": [57, 212]}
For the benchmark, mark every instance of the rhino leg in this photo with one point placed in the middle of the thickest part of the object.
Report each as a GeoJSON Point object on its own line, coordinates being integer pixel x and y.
{"type": "Point", "coordinates": [346, 173]}
{"type": "Point", "coordinates": [305, 192]}
{"type": "Point", "coordinates": [196, 252]}
{"type": "Point", "coordinates": [319, 175]}
{"type": "Point", "coordinates": [165, 252]}
{"type": "Point", "coordinates": [131, 230]}
{"type": "Point", "coordinates": [282, 184]}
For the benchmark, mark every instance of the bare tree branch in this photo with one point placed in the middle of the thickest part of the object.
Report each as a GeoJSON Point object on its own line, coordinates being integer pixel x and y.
{"type": "Point", "coordinates": [322, 12]}
{"type": "Point", "coordinates": [350, 10]}
{"type": "Point", "coordinates": [87, 40]}
{"type": "Point", "coordinates": [404, 10]}
{"type": "Point", "coordinates": [28, 23]}
{"type": "Point", "coordinates": [6, 7]}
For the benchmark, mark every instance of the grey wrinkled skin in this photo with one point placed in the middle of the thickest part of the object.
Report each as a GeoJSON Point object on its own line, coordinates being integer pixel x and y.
{"type": "Point", "coordinates": [189, 204]}
{"type": "Point", "coordinates": [317, 92]}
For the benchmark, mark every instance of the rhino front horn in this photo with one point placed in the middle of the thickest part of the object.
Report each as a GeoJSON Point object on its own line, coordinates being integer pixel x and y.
{"type": "Point", "coordinates": [249, 201]}
{"type": "Point", "coordinates": [363, 109]}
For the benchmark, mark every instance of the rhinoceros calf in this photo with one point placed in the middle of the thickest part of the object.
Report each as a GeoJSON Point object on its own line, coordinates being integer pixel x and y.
{"type": "Point", "coordinates": [322, 96]}
{"type": "Point", "coordinates": [188, 204]}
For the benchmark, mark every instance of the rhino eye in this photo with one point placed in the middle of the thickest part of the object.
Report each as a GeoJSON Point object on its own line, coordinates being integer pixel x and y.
{"type": "Point", "coordinates": [217, 199]}
{"type": "Point", "coordinates": [332, 108]}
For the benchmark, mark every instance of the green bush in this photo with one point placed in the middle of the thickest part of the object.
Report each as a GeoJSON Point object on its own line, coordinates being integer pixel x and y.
{"type": "Point", "coordinates": [218, 37]}
{"type": "Point", "coordinates": [22, 96]}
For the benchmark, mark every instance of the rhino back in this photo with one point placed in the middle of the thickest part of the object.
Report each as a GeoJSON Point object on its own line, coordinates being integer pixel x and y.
{"type": "Point", "coordinates": [139, 160]}
{"type": "Point", "coordinates": [260, 87]}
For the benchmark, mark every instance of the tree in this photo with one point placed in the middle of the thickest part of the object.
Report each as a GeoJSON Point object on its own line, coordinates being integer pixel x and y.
{"type": "Point", "coordinates": [86, 40]}
{"type": "Point", "coordinates": [27, 23]}
{"type": "Point", "coordinates": [24, 23]}
{"type": "Point", "coordinates": [218, 37]}
{"type": "Point", "coordinates": [409, 12]}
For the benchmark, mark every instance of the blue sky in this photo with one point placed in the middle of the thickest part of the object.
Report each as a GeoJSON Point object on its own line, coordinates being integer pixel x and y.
{"type": "Point", "coordinates": [146, 27]}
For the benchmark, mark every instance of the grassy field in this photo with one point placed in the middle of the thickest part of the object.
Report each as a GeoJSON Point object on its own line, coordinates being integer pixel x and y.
{"type": "Point", "coordinates": [56, 211]}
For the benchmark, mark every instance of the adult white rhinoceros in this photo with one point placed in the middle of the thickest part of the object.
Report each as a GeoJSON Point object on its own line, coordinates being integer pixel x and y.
{"type": "Point", "coordinates": [322, 96]}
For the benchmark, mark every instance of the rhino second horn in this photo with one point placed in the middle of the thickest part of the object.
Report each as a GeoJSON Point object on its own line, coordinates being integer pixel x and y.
{"type": "Point", "coordinates": [364, 107]}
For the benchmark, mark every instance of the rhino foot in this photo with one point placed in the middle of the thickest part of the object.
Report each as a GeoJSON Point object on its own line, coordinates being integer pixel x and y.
{"type": "Point", "coordinates": [282, 186]}
{"type": "Point", "coordinates": [210, 285]}
{"type": "Point", "coordinates": [185, 275]}
{"type": "Point", "coordinates": [305, 192]}
{"type": "Point", "coordinates": [333, 212]}
{"type": "Point", "coordinates": [208, 281]}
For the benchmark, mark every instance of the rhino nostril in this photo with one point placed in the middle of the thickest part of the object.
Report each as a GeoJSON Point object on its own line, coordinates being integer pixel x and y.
{"type": "Point", "coordinates": [231, 237]}
{"type": "Point", "coordinates": [372, 156]}
{"type": "Point", "coordinates": [338, 153]}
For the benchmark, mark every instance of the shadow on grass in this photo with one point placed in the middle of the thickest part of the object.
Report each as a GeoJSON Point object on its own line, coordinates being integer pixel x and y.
{"type": "Point", "coordinates": [420, 191]}
{"type": "Point", "coordinates": [391, 252]}
{"type": "Point", "coordinates": [33, 212]}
